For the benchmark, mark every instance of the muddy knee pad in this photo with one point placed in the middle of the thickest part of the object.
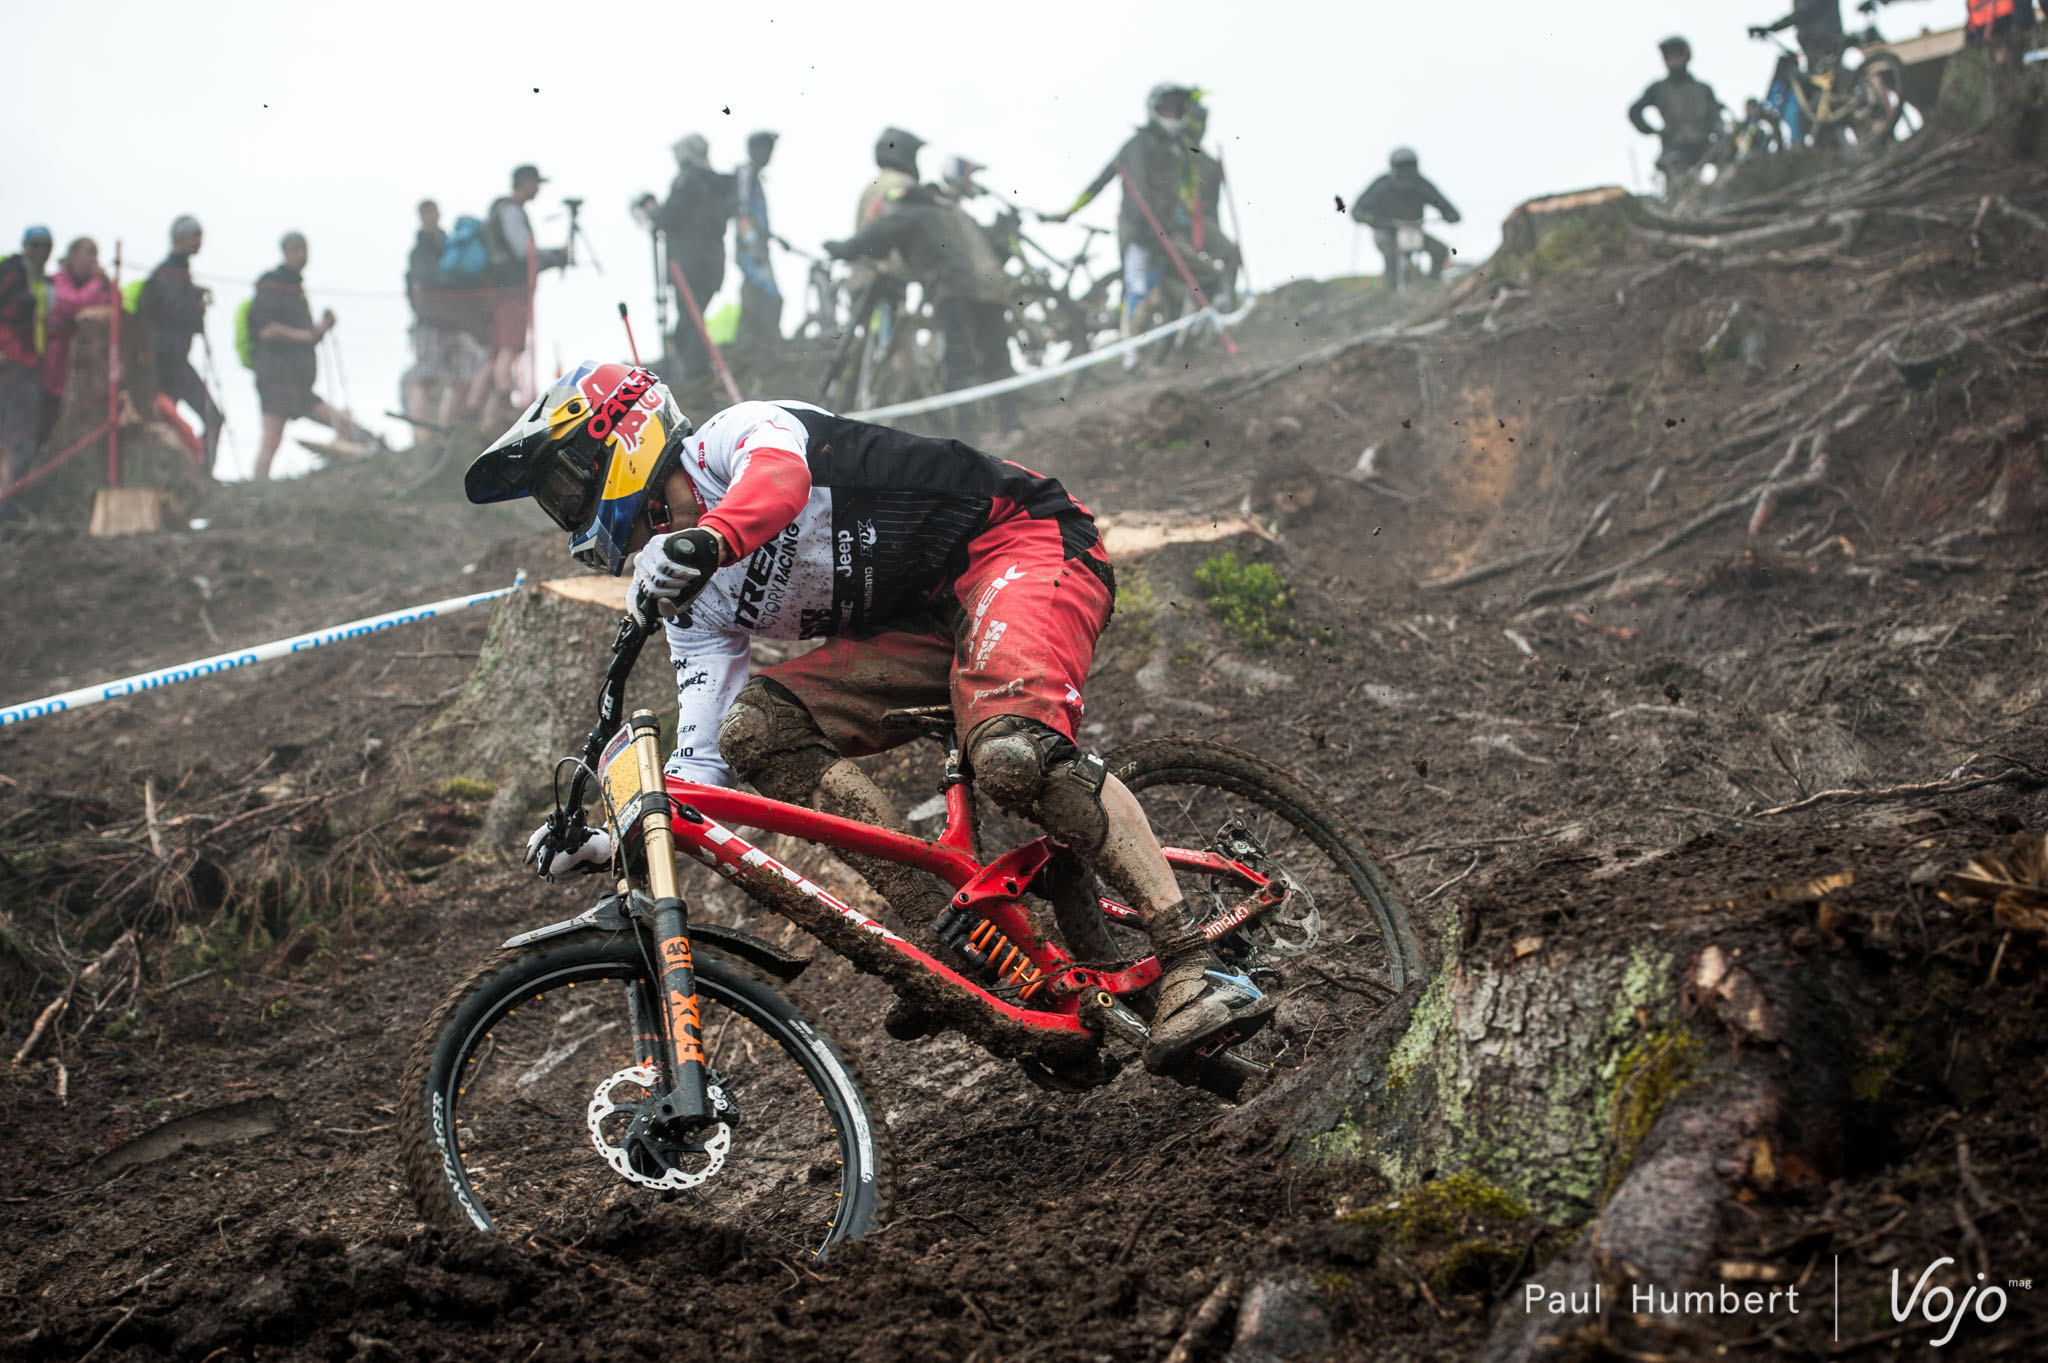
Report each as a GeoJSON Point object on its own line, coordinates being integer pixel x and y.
{"type": "Point", "coordinates": [1032, 769]}
{"type": "Point", "coordinates": [771, 741]}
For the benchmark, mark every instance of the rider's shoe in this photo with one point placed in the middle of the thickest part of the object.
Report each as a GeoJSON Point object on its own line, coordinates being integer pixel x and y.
{"type": "Point", "coordinates": [1200, 1002]}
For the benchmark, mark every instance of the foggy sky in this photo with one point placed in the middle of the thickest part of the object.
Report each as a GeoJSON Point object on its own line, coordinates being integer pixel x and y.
{"type": "Point", "coordinates": [263, 118]}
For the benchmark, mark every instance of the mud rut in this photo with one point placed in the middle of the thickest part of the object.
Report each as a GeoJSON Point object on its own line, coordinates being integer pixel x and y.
{"type": "Point", "coordinates": [1857, 1071]}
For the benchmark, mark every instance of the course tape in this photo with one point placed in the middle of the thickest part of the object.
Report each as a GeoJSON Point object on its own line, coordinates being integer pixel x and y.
{"type": "Point", "coordinates": [228, 662]}
{"type": "Point", "coordinates": [997, 388]}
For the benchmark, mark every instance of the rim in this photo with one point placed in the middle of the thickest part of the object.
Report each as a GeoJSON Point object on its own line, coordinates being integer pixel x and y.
{"type": "Point", "coordinates": [567, 1138]}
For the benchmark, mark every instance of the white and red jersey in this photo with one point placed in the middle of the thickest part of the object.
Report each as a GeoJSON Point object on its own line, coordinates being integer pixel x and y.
{"type": "Point", "coordinates": [838, 527]}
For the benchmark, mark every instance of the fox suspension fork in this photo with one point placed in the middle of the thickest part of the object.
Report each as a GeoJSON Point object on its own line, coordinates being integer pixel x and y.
{"type": "Point", "coordinates": [682, 1033]}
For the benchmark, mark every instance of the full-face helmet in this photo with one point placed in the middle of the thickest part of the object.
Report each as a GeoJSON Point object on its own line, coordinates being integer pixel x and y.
{"type": "Point", "coordinates": [594, 451]}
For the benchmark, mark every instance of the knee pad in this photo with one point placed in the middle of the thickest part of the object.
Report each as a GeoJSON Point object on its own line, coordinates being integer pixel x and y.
{"type": "Point", "coordinates": [770, 740]}
{"type": "Point", "coordinates": [1032, 769]}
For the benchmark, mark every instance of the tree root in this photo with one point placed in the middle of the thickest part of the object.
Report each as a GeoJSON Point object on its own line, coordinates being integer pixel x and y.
{"type": "Point", "coordinates": [1910, 791]}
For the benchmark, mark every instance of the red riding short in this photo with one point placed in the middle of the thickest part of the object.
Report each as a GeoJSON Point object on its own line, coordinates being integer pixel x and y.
{"type": "Point", "coordinates": [1019, 643]}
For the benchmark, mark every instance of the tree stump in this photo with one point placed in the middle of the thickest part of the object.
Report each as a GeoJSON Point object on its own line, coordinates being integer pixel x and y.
{"type": "Point", "coordinates": [533, 696]}
{"type": "Point", "coordinates": [1625, 1064]}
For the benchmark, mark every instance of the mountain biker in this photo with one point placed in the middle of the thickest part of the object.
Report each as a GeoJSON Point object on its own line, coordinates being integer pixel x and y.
{"type": "Point", "coordinates": [1818, 25]}
{"type": "Point", "coordinates": [932, 571]}
{"type": "Point", "coordinates": [1690, 112]}
{"type": "Point", "coordinates": [895, 175]}
{"type": "Point", "coordinates": [1155, 162]}
{"type": "Point", "coordinates": [948, 253]}
{"type": "Point", "coordinates": [1402, 195]}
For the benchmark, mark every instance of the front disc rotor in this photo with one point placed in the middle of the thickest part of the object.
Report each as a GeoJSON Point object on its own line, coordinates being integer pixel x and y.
{"type": "Point", "coordinates": [716, 1143]}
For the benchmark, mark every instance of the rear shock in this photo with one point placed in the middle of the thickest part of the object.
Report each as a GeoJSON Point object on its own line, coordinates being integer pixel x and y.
{"type": "Point", "coordinates": [999, 961]}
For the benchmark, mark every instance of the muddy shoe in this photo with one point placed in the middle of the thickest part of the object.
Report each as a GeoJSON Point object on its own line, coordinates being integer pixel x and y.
{"type": "Point", "coordinates": [1201, 1002]}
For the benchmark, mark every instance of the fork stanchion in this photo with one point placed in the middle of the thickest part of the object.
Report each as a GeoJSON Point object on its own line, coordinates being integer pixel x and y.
{"type": "Point", "coordinates": [687, 1099]}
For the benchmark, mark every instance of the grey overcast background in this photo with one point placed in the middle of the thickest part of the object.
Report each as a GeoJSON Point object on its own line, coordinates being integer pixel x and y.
{"type": "Point", "coordinates": [336, 119]}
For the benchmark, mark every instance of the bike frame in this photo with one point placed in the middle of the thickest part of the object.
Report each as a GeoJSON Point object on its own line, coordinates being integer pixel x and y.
{"type": "Point", "coordinates": [992, 891]}
{"type": "Point", "coordinates": [666, 816]}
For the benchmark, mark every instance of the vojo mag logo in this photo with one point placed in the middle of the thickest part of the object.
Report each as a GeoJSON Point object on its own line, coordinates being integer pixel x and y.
{"type": "Point", "coordinates": [1939, 1306]}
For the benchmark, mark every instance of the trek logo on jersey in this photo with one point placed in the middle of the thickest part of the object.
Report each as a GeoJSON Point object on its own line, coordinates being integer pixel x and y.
{"type": "Point", "coordinates": [767, 580]}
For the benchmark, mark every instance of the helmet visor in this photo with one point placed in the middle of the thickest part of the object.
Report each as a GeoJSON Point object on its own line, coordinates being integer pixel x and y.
{"type": "Point", "coordinates": [567, 487]}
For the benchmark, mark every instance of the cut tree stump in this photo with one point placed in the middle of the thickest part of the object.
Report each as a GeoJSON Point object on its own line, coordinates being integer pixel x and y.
{"type": "Point", "coordinates": [1626, 1064]}
{"type": "Point", "coordinates": [533, 695]}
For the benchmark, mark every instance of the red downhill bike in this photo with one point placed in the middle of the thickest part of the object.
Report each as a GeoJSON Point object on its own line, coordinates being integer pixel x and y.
{"type": "Point", "coordinates": [628, 1053]}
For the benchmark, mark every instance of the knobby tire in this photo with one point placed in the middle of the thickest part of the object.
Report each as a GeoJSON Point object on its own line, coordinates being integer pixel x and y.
{"type": "Point", "coordinates": [569, 1178]}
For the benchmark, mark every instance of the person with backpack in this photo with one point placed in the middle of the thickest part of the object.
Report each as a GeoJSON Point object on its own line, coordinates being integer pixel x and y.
{"type": "Point", "coordinates": [1690, 112]}
{"type": "Point", "coordinates": [284, 337]}
{"type": "Point", "coordinates": [446, 357]}
{"type": "Point", "coordinates": [175, 309]}
{"type": "Point", "coordinates": [24, 332]}
{"type": "Point", "coordinates": [701, 201]}
{"type": "Point", "coordinates": [515, 262]}
{"type": "Point", "coordinates": [760, 295]}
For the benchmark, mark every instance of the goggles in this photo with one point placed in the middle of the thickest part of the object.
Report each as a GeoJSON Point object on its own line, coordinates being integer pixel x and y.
{"type": "Point", "coordinates": [566, 487]}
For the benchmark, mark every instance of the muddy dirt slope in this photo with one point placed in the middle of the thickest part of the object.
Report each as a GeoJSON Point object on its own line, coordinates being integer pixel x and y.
{"type": "Point", "coordinates": [1666, 608]}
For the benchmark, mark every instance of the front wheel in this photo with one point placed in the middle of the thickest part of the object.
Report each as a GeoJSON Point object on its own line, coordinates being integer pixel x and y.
{"type": "Point", "coordinates": [519, 1101]}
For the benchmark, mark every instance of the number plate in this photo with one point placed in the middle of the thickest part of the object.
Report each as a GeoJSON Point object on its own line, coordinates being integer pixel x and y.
{"type": "Point", "coordinates": [620, 768]}
{"type": "Point", "coordinates": [1408, 238]}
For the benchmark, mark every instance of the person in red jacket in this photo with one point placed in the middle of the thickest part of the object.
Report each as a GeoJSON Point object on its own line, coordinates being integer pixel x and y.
{"type": "Point", "coordinates": [79, 287]}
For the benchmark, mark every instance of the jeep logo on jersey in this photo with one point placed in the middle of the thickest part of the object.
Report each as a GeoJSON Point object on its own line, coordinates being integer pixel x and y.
{"type": "Point", "coordinates": [618, 403]}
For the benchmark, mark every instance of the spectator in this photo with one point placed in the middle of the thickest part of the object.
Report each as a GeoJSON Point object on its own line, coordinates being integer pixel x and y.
{"type": "Point", "coordinates": [700, 203]}
{"type": "Point", "coordinates": [760, 297]}
{"type": "Point", "coordinates": [175, 308]}
{"type": "Point", "coordinates": [24, 323]}
{"type": "Point", "coordinates": [285, 335]}
{"type": "Point", "coordinates": [515, 263]}
{"type": "Point", "coordinates": [446, 357]}
{"type": "Point", "coordinates": [80, 288]}
{"type": "Point", "coordinates": [1691, 115]}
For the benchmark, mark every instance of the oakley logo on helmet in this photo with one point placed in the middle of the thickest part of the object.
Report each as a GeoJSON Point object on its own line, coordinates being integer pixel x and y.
{"type": "Point", "coordinates": [619, 402]}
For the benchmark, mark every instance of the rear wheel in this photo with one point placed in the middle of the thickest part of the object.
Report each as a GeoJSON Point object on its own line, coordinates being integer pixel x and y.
{"type": "Point", "coordinates": [1345, 944]}
{"type": "Point", "coordinates": [528, 1074]}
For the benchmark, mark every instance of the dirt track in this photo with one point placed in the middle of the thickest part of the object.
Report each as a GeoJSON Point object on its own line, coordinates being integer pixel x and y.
{"type": "Point", "coordinates": [1586, 765]}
